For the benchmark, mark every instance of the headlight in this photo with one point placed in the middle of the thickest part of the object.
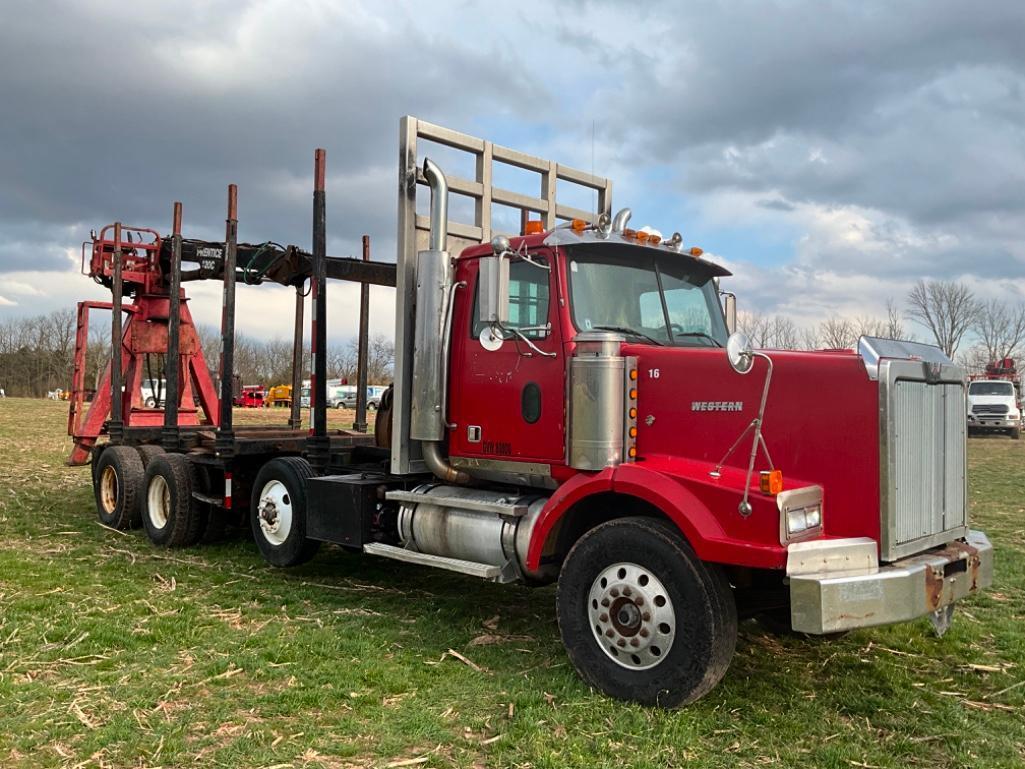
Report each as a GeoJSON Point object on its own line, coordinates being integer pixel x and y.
{"type": "Point", "coordinates": [797, 521]}
{"type": "Point", "coordinates": [803, 519]}
{"type": "Point", "coordinates": [800, 512]}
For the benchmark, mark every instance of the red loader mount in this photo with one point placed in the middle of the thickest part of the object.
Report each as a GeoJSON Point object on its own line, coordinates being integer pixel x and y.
{"type": "Point", "coordinates": [569, 404]}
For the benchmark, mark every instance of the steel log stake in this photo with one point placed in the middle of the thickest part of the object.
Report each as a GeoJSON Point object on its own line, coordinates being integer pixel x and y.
{"type": "Point", "coordinates": [116, 427]}
{"type": "Point", "coordinates": [318, 447]}
{"type": "Point", "coordinates": [225, 442]}
{"type": "Point", "coordinates": [172, 360]}
{"type": "Point", "coordinates": [295, 419]}
{"type": "Point", "coordinates": [360, 425]}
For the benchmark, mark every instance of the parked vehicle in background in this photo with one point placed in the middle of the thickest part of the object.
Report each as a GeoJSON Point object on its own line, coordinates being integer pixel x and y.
{"type": "Point", "coordinates": [251, 397]}
{"type": "Point", "coordinates": [993, 407]}
{"type": "Point", "coordinates": [153, 393]}
{"type": "Point", "coordinates": [374, 393]}
{"type": "Point", "coordinates": [280, 396]}
{"type": "Point", "coordinates": [339, 394]}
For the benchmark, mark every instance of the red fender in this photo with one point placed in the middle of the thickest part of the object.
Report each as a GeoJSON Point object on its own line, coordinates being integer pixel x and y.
{"type": "Point", "coordinates": [567, 495]}
{"type": "Point", "coordinates": [693, 518]}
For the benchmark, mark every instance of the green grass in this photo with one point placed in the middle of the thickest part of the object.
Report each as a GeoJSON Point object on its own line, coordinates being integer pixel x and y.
{"type": "Point", "coordinates": [113, 653]}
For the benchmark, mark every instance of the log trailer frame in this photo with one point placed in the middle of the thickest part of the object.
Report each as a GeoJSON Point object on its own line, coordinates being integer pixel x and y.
{"type": "Point", "coordinates": [569, 405]}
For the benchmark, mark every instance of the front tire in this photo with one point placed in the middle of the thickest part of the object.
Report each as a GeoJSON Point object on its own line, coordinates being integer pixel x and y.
{"type": "Point", "coordinates": [642, 618]}
{"type": "Point", "coordinates": [118, 484]}
{"type": "Point", "coordinates": [1015, 433]}
{"type": "Point", "coordinates": [278, 512]}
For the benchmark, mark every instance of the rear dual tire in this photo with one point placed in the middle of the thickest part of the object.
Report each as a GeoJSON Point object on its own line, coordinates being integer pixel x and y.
{"type": "Point", "coordinates": [170, 516]}
{"type": "Point", "coordinates": [117, 486]}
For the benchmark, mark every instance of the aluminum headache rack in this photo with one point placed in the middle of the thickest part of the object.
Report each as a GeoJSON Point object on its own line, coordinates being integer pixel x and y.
{"type": "Point", "coordinates": [414, 234]}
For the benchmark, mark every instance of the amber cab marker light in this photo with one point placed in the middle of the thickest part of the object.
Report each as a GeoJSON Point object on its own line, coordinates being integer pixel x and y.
{"type": "Point", "coordinates": [633, 394]}
{"type": "Point", "coordinates": [534, 227]}
{"type": "Point", "coordinates": [633, 452]}
{"type": "Point", "coordinates": [633, 413]}
{"type": "Point", "coordinates": [633, 374]}
{"type": "Point", "coordinates": [633, 432]}
{"type": "Point", "coordinates": [578, 225]}
{"type": "Point", "coordinates": [696, 252]}
{"type": "Point", "coordinates": [770, 481]}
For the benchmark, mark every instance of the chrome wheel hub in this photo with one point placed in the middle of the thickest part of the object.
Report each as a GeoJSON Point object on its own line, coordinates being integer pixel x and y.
{"type": "Point", "coordinates": [632, 616]}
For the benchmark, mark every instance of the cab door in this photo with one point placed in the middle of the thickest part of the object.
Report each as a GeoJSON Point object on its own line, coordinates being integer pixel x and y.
{"type": "Point", "coordinates": [509, 404]}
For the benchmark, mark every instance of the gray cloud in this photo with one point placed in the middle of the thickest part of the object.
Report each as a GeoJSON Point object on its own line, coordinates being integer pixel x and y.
{"type": "Point", "coordinates": [888, 141]}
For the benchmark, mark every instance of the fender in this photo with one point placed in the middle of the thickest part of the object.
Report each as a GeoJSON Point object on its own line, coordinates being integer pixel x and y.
{"type": "Point", "coordinates": [568, 494]}
{"type": "Point", "coordinates": [668, 494]}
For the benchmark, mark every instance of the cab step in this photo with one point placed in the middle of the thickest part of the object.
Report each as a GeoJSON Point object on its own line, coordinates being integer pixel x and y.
{"type": "Point", "coordinates": [482, 570]}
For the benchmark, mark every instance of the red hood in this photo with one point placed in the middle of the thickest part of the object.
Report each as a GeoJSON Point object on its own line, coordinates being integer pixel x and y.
{"type": "Point", "coordinates": [821, 421]}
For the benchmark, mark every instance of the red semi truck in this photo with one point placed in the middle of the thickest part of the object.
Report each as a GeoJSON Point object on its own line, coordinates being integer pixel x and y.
{"type": "Point", "coordinates": [570, 405]}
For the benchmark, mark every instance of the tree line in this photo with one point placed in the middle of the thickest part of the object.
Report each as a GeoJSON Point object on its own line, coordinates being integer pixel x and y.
{"type": "Point", "coordinates": [37, 356]}
{"type": "Point", "coordinates": [37, 353]}
{"type": "Point", "coordinates": [969, 330]}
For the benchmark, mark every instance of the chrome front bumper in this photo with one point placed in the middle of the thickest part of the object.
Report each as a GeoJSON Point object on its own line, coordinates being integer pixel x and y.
{"type": "Point", "coordinates": [838, 585]}
{"type": "Point", "coordinates": [991, 422]}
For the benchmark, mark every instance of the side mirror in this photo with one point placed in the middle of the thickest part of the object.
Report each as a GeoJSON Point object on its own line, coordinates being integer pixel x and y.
{"type": "Point", "coordinates": [739, 351]}
{"type": "Point", "coordinates": [729, 306]}
{"type": "Point", "coordinates": [494, 286]}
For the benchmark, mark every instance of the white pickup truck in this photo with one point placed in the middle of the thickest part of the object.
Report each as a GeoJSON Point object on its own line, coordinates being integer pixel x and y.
{"type": "Point", "coordinates": [993, 407]}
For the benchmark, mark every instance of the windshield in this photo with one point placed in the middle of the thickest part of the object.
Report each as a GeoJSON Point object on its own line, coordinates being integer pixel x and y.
{"type": "Point", "coordinates": [665, 299]}
{"type": "Point", "coordinates": [990, 388]}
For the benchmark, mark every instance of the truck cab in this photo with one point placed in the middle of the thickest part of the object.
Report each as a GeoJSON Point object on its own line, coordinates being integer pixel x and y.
{"type": "Point", "coordinates": [993, 406]}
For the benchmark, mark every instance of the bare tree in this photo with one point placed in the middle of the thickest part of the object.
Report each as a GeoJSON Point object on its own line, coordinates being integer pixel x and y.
{"type": "Point", "coordinates": [754, 326]}
{"type": "Point", "coordinates": [837, 333]}
{"type": "Point", "coordinates": [1001, 328]}
{"type": "Point", "coordinates": [895, 323]}
{"type": "Point", "coordinates": [947, 308]}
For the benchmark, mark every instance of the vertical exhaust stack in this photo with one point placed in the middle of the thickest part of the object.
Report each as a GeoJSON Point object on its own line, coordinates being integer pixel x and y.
{"type": "Point", "coordinates": [427, 419]}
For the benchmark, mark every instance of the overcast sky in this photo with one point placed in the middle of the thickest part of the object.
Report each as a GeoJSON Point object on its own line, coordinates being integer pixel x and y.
{"type": "Point", "coordinates": [829, 153]}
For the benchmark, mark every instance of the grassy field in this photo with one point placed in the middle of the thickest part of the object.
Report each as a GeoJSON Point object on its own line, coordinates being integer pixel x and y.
{"type": "Point", "coordinates": [113, 653]}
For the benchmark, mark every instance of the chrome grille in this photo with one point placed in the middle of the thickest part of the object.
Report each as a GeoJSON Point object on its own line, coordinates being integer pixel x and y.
{"type": "Point", "coordinates": [927, 453]}
{"type": "Point", "coordinates": [994, 408]}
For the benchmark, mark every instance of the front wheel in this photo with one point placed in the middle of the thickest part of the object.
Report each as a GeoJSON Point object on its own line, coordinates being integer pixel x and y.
{"type": "Point", "coordinates": [642, 618]}
{"type": "Point", "coordinates": [1016, 433]}
{"type": "Point", "coordinates": [278, 512]}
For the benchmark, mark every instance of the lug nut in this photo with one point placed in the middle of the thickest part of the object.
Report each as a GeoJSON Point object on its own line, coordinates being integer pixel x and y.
{"type": "Point", "coordinates": [614, 592]}
{"type": "Point", "coordinates": [634, 642]}
{"type": "Point", "coordinates": [621, 643]}
{"type": "Point", "coordinates": [644, 632]}
{"type": "Point", "coordinates": [639, 600]}
{"type": "Point", "coordinates": [605, 602]}
{"type": "Point", "coordinates": [603, 617]}
{"type": "Point", "coordinates": [646, 616]}
{"type": "Point", "coordinates": [609, 633]}
{"type": "Point", "coordinates": [627, 591]}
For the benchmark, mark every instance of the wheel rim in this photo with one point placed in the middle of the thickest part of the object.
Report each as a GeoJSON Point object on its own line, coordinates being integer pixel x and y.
{"type": "Point", "coordinates": [275, 512]}
{"type": "Point", "coordinates": [108, 489]}
{"type": "Point", "coordinates": [632, 616]}
{"type": "Point", "coordinates": [158, 501]}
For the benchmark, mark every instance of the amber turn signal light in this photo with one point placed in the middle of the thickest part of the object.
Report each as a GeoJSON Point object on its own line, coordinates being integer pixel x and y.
{"type": "Point", "coordinates": [534, 227]}
{"type": "Point", "coordinates": [770, 481]}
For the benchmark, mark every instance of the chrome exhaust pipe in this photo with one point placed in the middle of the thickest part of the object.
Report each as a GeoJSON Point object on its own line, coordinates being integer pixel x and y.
{"type": "Point", "coordinates": [428, 422]}
{"type": "Point", "coordinates": [620, 219]}
{"type": "Point", "coordinates": [439, 205]}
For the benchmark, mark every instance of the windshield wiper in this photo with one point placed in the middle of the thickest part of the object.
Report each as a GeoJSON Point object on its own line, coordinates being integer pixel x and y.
{"type": "Point", "coordinates": [628, 330]}
{"type": "Point", "coordinates": [701, 334]}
